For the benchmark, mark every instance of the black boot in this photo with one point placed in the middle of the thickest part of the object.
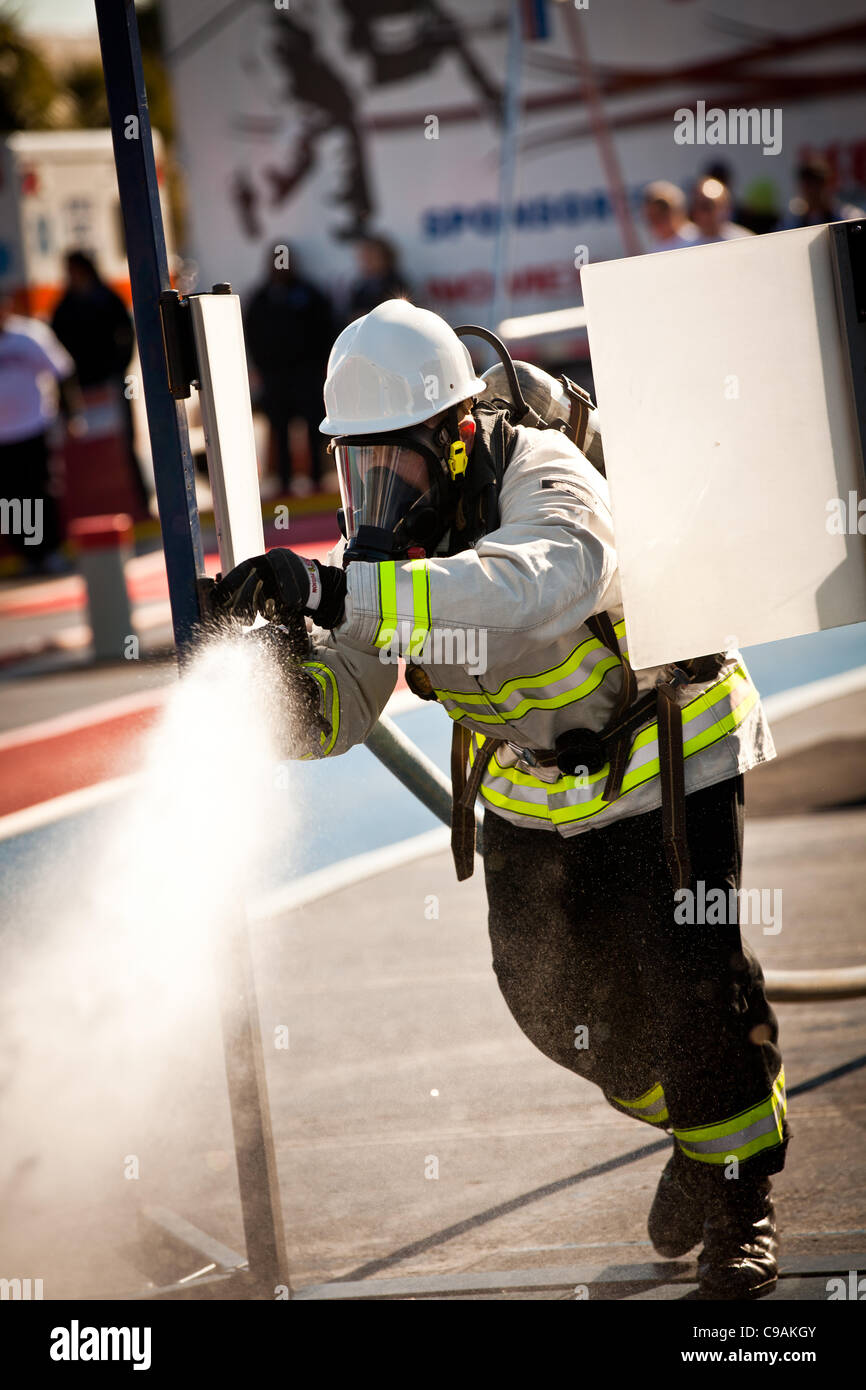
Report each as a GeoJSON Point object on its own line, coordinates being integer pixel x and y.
{"type": "Point", "coordinates": [739, 1255]}
{"type": "Point", "coordinates": [676, 1219]}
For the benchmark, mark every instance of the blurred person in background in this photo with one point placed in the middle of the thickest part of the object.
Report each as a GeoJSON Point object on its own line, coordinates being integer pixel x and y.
{"type": "Point", "coordinates": [711, 213]}
{"type": "Point", "coordinates": [289, 326]}
{"type": "Point", "coordinates": [380, 277]}
{"type": "Point", "coordinates": [664, 210]}
{"type": "Point", "coordinates": [759, 211]}
{"type": "Point", "coordinates": [94, 325]}
{"type": "Point", "coordinates": [817, 201]}
{"type": "Point", "coordinates": [34, 370]}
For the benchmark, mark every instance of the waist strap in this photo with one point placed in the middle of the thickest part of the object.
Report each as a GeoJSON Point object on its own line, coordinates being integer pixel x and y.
{"type": "Point", "coordinates": [630, 712]}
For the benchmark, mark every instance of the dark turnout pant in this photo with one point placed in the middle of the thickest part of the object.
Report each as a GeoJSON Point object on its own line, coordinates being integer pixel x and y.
{"type": "Point", "coordinates": [668, 1017]}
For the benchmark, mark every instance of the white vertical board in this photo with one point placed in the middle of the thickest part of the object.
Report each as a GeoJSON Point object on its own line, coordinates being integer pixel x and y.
{"type": "Point", "coordinates": [224, 393]}
{"type": "Point", "coordinates": [728, 429]}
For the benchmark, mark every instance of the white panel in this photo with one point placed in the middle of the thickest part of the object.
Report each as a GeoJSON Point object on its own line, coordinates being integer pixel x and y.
{"type": "Point", "coordinates": [224, 393]}
{"type": "Point", "coordinates": [728, 427]}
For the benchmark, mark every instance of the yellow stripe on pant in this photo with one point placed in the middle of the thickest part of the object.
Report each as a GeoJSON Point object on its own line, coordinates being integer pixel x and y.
{"type": "Point", "coordinates": [651, 1106]}
{"type": "Point", "coordinates": [741, 1136]}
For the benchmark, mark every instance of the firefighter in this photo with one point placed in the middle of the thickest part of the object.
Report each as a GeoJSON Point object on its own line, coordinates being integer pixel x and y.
{"type": "Point", "coordinates": [481, 551]}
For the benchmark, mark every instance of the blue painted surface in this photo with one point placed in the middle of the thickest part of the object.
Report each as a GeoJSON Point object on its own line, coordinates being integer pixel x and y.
{"type": "Point", "coordinates": [778, 666]}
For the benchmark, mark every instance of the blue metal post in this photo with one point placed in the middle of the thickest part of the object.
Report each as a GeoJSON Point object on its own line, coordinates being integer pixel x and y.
{"type": "Point", "coordinates": [149, 276]}
{"type": "Point", "coordinates": [175, 485]}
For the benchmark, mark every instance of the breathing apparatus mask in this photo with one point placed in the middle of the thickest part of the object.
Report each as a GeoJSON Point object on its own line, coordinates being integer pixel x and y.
{"type": "Point", "coordinates": [400, 490]}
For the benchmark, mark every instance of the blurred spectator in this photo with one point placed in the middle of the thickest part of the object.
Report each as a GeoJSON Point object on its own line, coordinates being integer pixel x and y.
{"type": "Point", "coordinates": [711, 213]}
{"type": "Point", "coordinates": [380, 277]}
{"type": "Point", "coordinates": [664, 210]}
{"type": "Point", "coordinates": [290, 329]}
{"type": "Point", "coordinates": [93, 324]}
{"type": "Point", "coordinates": [33, 364]}
{"type": "Point", "coordinates": [759, 211]}
{"type": "Point", "coordinates": [816, 202]}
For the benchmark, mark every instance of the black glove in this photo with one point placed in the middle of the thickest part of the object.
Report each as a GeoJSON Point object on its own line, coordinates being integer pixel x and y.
{"type": "Point", "coordinates": [299, 695]}
{"type": "Point", "coordinates": [279, 585]}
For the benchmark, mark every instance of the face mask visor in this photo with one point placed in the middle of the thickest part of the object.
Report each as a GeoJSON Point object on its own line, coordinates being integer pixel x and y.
{"type": "Point", "coordinates": [389, 494]}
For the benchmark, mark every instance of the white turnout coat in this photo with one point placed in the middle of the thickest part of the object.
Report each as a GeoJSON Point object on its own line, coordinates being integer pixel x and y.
{"type": "Point", "coordinates": [500, 630]}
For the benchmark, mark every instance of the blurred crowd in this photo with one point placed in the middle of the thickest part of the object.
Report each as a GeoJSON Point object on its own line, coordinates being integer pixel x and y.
{"type": "Point", "coordinates": [66, 421]}
{"type": "Point", "coordinates": [290, 325]}
{"type": "Point", "coordinates": [66, 428]}
{"type": "Point", "coordinates": [711, 212]}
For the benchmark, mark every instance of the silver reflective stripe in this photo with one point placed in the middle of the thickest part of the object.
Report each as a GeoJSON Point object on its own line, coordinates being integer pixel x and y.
{"type": "Point", "coordinates": [651, 1107]}
{"type": "Point", "coordinates": [758, 1128]}
{"type": "Point", "coordinates": [729, 1143]}
{"type": "Point", "coordinates": [718, 710]}
{"type": "Point", "coordinates": [583, 670]}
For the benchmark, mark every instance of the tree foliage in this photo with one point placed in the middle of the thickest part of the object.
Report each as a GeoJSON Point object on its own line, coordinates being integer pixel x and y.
{"type": "Point", "coordinates": [30, 93]}
{"type": "Point", "coordinates": [33, 97]}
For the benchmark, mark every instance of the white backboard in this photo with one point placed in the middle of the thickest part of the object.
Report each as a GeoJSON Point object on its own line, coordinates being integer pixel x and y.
{"type": "Point", "coordinates": [728, 428]}
{"type": "Point", "coordinates": [226, 414]}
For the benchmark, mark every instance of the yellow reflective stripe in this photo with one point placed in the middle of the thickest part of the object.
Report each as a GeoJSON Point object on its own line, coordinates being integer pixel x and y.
{"type": "Point", "coordinates": [420, 606]}
{"type": "Point", "coordinates": [532, 809]}
{"type": "Point", "coordinates": [651, 1107]}
{"type": "Point", "coordinates": [325, 678]}
{"type": "Point", "coordinates": [568, 814]}
{"type": "Point", "coordinates": [742, 1135]}
{"type": "Point", "coordinates": [743, 1119]}
{"type": "Point", "coordinates": [568, 697]}
{"type": "Point", "coordinates": [571, 663]}
{"type": "Point", "coordinates": [770, 1140]}
{"type": "Point", "coordinates": [653, 1094]}
{"type": "Point", "coordinates": [555, 673]}
{"type": "Point", "coordinates": [387, 603]}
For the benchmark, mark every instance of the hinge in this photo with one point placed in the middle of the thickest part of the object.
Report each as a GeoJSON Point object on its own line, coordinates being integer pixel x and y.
{"type": "Point", "coordinates": [178, 343]}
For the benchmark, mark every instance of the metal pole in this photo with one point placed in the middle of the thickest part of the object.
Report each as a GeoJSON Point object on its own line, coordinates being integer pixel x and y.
{"type": "Point", "coordinates": [175, 486]}
{"type": "Point", "coordinates": [418, 773]}
{"type": "Point", "coordinates": [508, 161]}
{"type": "Point", "coordinates": [149, 276]}
{"type": "Point", "coordinates": [574, 23]}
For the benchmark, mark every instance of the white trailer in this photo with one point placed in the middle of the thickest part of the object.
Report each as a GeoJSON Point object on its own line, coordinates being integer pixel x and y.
{"type": "Point", "coordinates": [58, 192]}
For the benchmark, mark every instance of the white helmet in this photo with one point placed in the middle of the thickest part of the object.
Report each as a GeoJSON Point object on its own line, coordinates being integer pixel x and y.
{"type": "Point", "coordinates": [395, 368]}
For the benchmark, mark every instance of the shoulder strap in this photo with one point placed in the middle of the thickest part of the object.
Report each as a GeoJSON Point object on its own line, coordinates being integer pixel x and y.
{"type": "Point", "coordinates": [493, 446]}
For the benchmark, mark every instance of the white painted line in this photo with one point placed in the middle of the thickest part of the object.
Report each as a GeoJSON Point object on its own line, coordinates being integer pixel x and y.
{"type": "Point", "coordinates": [803, 697]}
{"type": "Point", "coordinates": [70, 804]}
{"type": "Point", "coordinates": [342, 875]}
{"type": "Point", "coordinates": [84, 718]}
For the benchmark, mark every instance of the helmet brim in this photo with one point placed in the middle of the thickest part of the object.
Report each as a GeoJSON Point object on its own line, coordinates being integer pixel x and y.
{"type": "Point", "coordinates": [333, 425]}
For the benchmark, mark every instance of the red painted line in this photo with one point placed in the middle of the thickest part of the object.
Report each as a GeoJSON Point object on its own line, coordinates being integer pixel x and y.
{"type": "Point", "coordinates": [53, 765]}
{"type": "Point", "coordinates": [85, 747]}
